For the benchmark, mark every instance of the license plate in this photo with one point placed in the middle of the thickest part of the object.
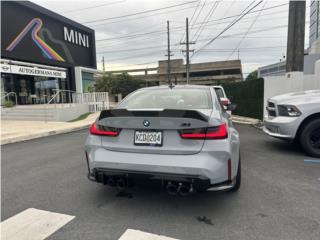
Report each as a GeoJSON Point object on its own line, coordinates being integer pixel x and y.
{"type": "Point", "coordinates": [148, 138]}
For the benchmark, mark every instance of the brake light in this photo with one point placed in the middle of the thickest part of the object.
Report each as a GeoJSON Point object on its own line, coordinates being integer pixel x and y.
{"type": "Point", "coordinates": [225, 102]}
{"type": "Point", "coordinates": [218, 132]}
{"type": "Point", "coordinates": [96, 129]}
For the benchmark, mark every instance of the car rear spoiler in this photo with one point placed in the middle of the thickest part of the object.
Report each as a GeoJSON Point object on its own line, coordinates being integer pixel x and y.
{"type": "Point", "coordinates": [171, 113]}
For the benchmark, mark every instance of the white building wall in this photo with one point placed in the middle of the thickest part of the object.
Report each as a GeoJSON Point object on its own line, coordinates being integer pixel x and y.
{"type": "Point", "coordinates": [69, 113]}
{"type": "Point", "coordinates": [291, 82]}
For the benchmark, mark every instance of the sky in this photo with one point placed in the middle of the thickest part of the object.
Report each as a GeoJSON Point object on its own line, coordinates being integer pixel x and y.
{"type": "Point", "coordinates": [128, 39]}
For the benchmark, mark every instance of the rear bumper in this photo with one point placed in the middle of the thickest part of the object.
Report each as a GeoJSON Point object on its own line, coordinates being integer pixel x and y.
{"type": "Point", "coordinates": [102, 176]}
{"type": "Point", "coordinates": [211, 167]}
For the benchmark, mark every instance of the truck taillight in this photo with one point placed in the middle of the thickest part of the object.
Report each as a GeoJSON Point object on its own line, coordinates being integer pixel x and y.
{"type": "Point", "coordinates": [225, 102]}
{"type": "Point", "coordinates": [96, 129]}
{"type": "Point", "coordinates": [217, 132]}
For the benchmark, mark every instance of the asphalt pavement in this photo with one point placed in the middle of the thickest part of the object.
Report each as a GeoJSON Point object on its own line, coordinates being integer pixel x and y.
{"type": "Point", "coordinates": [279, 197]}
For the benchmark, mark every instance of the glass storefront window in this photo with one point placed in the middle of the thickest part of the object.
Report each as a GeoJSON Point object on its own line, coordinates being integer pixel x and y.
{"type": "Point", "coordinates": [87, 81]}
{"type": "Point", "coordinates": [6, 87]}
{"type": "Point", "coordinates": [34, 89]}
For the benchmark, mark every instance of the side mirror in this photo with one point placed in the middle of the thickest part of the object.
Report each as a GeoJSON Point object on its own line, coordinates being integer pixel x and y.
{"type": "Point", "coordinates": [231, 107]}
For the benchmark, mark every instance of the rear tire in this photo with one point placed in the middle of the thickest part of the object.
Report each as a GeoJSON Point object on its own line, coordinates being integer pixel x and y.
{"type": "Point", "coordinates": [238, 178]}
{"type": "Point", "coordinates": [310, 138]}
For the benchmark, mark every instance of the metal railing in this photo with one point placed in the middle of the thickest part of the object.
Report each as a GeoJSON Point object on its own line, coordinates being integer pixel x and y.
{"type": "Point", "coordinates": [56, 98]}
{"type": "Point", "coordinates": [7, 94]}
{"type": "Point", "coordinates": [97, 101]}
{"type": "Point", "coordinates": [57, 95]}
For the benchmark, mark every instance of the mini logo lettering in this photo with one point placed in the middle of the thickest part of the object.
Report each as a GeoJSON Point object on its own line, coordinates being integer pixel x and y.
{"type": "Point", "coordinates": [75, 37]}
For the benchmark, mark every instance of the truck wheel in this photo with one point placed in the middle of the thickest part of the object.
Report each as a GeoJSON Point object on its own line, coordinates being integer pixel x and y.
{"type": "Point", "coordinates": [310, 138]}
{"type": "Point", "coordinates": [238, 178]}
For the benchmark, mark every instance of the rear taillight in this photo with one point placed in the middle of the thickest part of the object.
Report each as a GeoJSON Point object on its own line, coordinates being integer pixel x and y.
{"type": "Point", "coordinates": [225, 102]}
{"type": "Point", "coordinates": [96, 129]}
{"type": "Point", "coordinates": [218, 132]}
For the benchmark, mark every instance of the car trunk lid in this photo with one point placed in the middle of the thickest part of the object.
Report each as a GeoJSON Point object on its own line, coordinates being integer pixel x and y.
{"type": "Point", "coordinates": [166, 121]}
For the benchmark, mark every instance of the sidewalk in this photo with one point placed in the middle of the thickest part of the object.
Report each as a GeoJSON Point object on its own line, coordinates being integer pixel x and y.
{"type": "Point", "coordinates": [244, 120]}
{"type": "Point", "coordinates": [17, 131]}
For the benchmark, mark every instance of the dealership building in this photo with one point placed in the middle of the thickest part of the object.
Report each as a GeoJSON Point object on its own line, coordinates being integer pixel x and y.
{"type": "Point", "coordinates": [43, 52]}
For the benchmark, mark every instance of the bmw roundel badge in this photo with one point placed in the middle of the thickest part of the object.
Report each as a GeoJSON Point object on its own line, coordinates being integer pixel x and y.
{"type": "Point", "coordinates": [146, 123]}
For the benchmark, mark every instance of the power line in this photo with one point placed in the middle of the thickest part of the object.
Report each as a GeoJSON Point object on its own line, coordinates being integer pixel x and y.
{"type": "Point", "coordinates": [229, 26]}
{"type": "Point", "coordinates": [132, 49]}
{"type": "Point", "coordinates": [249, 29]}
{"type": "Point", "coordinates": [225, 14]}
{"type": "Point", "coordinates": [196, 19]}
{"type": "Point", "coordinates": [141, 17]}
{"type": "Point", "coordinates": [142, 40]}
{"type": "Point", "coordinates": [136, 64]}
{"type": "Point", "coordinates": [97, 6]}
{"type": "Point", "coordinates": [131, 35]}
{"type": "Point", "coordinates": [181, 27]}
{"type": "Point", "coordinates": [202, 40]}
{"type": "Point", "coordinates": [139, 13]}
{"type": "Point", "coordinates": [214, 20]}
{"type": "Point", "coordinates": [194, 12]}
{"type": "Point", "coordinates": [239, 34]}
{"type": "Point", "coordinates": [162, 46]}
{"type": "Point", "coordinates": [238, 15]}
{"type": "Point", "coordinates": [135, 56]}
{"type": "Point", "coordinates": [206, 20]}
{"type": "Point", "coordinates": [236, 18]}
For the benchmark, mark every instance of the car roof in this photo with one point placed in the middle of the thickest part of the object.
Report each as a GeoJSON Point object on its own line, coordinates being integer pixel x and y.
{"type": "Point", "coordinates": [177, 87]}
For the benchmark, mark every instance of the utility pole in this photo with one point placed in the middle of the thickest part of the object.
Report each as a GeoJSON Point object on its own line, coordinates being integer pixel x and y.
{"type": "Point", "coordinates": [296, 33]}
{"type": "Point", "coordinates": [187, 51]}
{"type": "Point", "coordinates": [103, 67]}
{"type": "Point", "coordinates": [169, 55]}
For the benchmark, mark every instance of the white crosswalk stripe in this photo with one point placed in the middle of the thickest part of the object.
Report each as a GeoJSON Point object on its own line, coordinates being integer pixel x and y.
{"type": "Point", "coordinates": [131, 234]}
{"type": "Point", "coordinates": [33, 224]}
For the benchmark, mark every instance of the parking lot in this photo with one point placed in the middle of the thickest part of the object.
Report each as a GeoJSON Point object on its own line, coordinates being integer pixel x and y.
{"type": "Point", "coordinates": [278, 199]}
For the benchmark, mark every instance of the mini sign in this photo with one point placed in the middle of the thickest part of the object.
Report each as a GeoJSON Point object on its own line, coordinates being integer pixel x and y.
{"type": "Point", "coordinates": [75, 37]}
{"type": "Point", "coordinates": [16, 69]}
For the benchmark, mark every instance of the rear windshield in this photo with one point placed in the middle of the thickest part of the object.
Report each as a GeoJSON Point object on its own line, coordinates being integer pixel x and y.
{"type": "Point", "coordinates": [219, 92]}
{"type": "Point", "coordinates": [169, 99]}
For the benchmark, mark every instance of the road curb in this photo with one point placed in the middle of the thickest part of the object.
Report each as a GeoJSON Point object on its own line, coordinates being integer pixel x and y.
{"type": "Point", "coordinates": [245, 120]}
{"type": "Point", "coordinates": [44, 134]}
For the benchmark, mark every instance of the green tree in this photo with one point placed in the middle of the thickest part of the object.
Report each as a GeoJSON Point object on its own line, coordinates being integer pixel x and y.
{"type": "Point", "coordinates": [120, 83]}
{"type": "Point", "coordinates": [252, 76]}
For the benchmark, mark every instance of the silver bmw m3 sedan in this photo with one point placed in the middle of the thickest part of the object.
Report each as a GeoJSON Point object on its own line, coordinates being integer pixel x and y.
{"type": "Point", "coordinates": [179, 136]}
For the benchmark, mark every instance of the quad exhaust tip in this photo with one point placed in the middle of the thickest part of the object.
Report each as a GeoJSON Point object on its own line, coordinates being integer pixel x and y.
{"type": "Point", "coordinates": [111, 182]}
{"type": "Point", "coordinates": [173, 188]}
{"type": "Point", "coordinates": [121, 184]}
{"type": "Point", "coordinates": [181, 188]}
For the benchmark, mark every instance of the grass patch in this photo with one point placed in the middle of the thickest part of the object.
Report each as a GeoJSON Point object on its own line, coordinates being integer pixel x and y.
{"type": "Point", "coordinates": [81, 117]}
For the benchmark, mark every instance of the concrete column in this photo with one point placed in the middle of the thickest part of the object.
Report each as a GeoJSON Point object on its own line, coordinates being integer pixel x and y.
{"type": "Point", "coordinates": [78, 79]}
{"type": "Point", "coordinates": [296, 34]}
